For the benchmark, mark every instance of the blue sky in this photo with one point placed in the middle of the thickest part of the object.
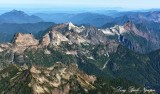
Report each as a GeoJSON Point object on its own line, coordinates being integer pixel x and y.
{"type": "Point", "coordinates": [132, 4]}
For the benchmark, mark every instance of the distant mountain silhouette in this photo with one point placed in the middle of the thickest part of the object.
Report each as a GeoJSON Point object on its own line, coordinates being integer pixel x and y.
{"type": "Point", "coordinates": [16, 16]}
{"type": "Point", "coordinates": [95, 19]}
{"type": "Point", "coordinates": [7, 30]}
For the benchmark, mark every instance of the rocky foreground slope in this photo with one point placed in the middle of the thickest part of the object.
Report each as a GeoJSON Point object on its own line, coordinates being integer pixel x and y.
{"type": "Point", "coordinates": [32, 64]}
{"type": "Point", "coordinates": [57, 79]}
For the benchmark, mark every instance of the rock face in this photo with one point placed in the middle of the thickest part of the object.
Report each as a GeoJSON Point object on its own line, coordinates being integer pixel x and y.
{"type": "Point", "coordinates": [130, 36]}
{"type": "Point", "coordinates": [129, 26]}
{"type": "Point", "coordinates": [54, 38]}
{"type": "Point", "coordinates": [64, 33]}
{"type": "Point", "coordinates": [57, 79]}
{"type": "Point", "coordinates": [59, 74]}
{"type": "Point", "coordinates": [75, 28]}
{"type": "Point", "coordinates": [25, 40]}
{"type": "Point", "coordinates": [70, 33]}
{"type": "Point", "coordinates": [46, 39]}
{"type": "Point", "coordinates": [116, 30]}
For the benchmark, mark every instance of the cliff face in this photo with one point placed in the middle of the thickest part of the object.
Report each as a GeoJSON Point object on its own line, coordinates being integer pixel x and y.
{"type": "Point", "coordinates": [129, 26]}
{"type": "Point", "coordinates": [25, 40]}
{"type": "Point", "coordinates": [132, 37]}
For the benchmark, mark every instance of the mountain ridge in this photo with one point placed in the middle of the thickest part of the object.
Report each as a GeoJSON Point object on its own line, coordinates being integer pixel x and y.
{"type": "Point", "coordinates": [95, 56]}
{"type": "Point", "coordinates": [16, 16]}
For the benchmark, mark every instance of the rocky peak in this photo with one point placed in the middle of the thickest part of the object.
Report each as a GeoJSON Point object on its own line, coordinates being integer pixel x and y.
{"type": "Point", "coordinates": [25, 40]}
{"type": "Point", "coordinates": [46, 39]}
{"type": "Point", "coordinates": [57, 79]}
{"type": "Point", "coordinates": [116, 30]}
{"type": "Point", "coordinates": [53, 38]}
{"type": "Point", "coordinates": [70, 25]}
{"type": "Point", "coordinates": [129, 26]}
{"type": "Point", "coordinates": [77, 29]}
{"type": "Point", "coordinates": [64, 33]}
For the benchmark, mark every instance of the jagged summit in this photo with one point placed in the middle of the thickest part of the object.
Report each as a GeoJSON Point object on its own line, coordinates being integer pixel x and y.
{"type": "Point", "coordinates": [129, 25]}
{"type": "Point", "coordinates": [56, 79]}
{"type": "Point", "coordinates": [71, 25]}
{"type": "Point", "coordinates": [72, 34]}
{"type": "Point", "coordinates": [77, 29]}
{"type": "Point", "coordinates": [130, 36]}
{"type": "Point", "coordinates": [59, 34]}
{"type": "Point", "coordinates": [64, 33]}
{"type": "Point", "coordinates": [25, 40]}
{"type": "Point", "coordinates": [121, 29]}
{"type": "Point", "coordinates": [116, 30]}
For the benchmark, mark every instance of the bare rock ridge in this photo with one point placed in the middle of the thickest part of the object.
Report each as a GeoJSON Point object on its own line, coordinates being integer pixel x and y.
{"type": "Point", "coordinates": [65, 33]}
{"type": "Point", "coordinates": [73, 34]}
{"type": "Point", "coordinates": [57, 79]}
{"type": "Point", "coordinates": [132, 37]}
{"type": "Point", "coordinates": [57, 35]}
{"type": "Point", "coordinates": [129, 26]}
{"type": "Point", "coordinates": [25, 40]}
{"type": "Point", "coordinates": [54, 38]}
{"type": "Point", "coordinates": [75, 28]}
{"type": "Point", "coordinates": [58, 74]}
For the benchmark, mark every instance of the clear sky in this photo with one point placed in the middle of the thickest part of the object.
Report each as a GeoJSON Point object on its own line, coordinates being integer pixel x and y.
{"type": "Point", "coordinates": [135, 4]}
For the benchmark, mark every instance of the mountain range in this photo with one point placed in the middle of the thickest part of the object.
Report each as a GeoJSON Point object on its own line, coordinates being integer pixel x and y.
{"type": "Point", "coordinates": [8, 30]}
{"type": "Point", "coordinates": [144, 29]}
{"type": "Point", "coordinates": [80, 18]}
{"type": "Point", "coordinates": [92, 54]}
{"type": "Point", "coordinates": [34, 63]}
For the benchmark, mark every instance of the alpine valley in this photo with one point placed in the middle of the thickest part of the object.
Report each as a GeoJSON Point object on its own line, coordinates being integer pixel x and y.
{"type": "Point", "coordinates": [118, 56]}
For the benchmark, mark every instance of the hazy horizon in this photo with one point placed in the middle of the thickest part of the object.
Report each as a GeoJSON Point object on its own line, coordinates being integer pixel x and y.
{"type": "Point", "coordinates": [126, 4]}
{"type": "Point", "coordinates": [74, 6]}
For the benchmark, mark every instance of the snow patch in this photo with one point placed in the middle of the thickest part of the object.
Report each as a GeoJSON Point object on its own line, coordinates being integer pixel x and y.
{"type": "Point", "coordinates": [71, 26]}
{"type": "Point", "coordinates": [116, 30]}
{"type": "Point", "coordinates": [107, 32]}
